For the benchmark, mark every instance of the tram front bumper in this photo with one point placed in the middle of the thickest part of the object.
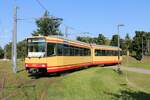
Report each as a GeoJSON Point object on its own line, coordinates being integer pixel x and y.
{"type": "Point", "coordinates": [36, 67]}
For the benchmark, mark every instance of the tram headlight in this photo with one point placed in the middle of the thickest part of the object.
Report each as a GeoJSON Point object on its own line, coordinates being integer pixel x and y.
{"type": "Point", "coordinates": [26, 65]}
{"type": "Point", "coordinates": [43, 65]}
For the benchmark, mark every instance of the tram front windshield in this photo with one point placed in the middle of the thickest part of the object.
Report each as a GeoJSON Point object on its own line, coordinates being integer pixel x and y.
{"type": "Point", "coordinates": [36, 47]}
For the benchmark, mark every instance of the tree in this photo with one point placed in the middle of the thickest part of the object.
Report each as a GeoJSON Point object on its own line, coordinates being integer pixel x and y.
{"type": "Point", "coordinates": [1, 53]}
{"type": "Point", "coordinates": [107, 42]}
{"type": "Point", "coordinates": [139, 41]}
{"type": "Point", "coordinates": [147, 43]}
{"type": "Point", "coordinates": [128, 42]}
{"type": "Point", "coordinates": [114, 40]}
{"type": "Point", "coordinates": [47, 25]}
{"type": "Point", "coordinates": [101, 40]}
{"type": "Point", "coordinates": [8, 50]}
{"type": "Point", "coordinates": [22, 49]}
{"type": "Point", "coordinates": [87, 39]}
{"type": "Point", "coordinates": [122, 44]}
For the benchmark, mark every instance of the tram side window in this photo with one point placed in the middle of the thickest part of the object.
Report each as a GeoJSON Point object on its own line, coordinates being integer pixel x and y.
{"type": "Point", "coordinates": [98, 52]}
{"type": "Point", "coordinates": [81, 52]}
{"type": "Point", "coordinates": [51, 49]}
{"type": "Point", "coordinates": [110, 53]}
{"type": "Point", "coordinates": [71, 51]}
{"type": "Point", "coordinates": [116, 53]}
{"type": "Point", "coordinates": [106, 53]}
{"type": "Point", "coordinates": [59, 49]}
{"type": "Point", "coordinates": [67, 50]}
{"type": "Point", "coordinates": [89, 52]}
{"type": "Point", "coordinates": [85, 52]}
{"type": "Point", "coordinates": [77, 51]}
{"type": "Point", "coordinates": [121, 53]}
{"type": "Point", "coordinates": [103, 53]}
{"type": "Point", "coordinates": [113, 53]}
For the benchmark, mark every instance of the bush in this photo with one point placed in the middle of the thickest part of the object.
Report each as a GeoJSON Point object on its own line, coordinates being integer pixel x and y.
{"type": "Point", "coordinates": [138, 56]}
{"type": "Point", "coordinates": [1, 53]}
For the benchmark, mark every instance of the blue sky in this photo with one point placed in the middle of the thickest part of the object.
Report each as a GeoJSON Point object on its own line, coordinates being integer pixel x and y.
{"type": "Point", "coordinates": [94, 16]}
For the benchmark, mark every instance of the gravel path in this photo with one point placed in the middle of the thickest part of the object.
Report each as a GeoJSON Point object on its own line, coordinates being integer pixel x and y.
{"type": "Point", "coordinates": [133, 69]}
{"type": "Point", "coordinates": [138, 70]}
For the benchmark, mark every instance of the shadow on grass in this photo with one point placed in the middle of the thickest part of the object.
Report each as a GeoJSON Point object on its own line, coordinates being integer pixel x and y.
{"type": "Point", "coordinates": [21, 70]}
{"type": "Point", "coordinates": [57, 74]}
{"type": "Point", "coordinates": [63, 73]}
{"type": "Point", "coordinates": [130, 95]}
{"type": "Point", "coordinates": [118, 71]}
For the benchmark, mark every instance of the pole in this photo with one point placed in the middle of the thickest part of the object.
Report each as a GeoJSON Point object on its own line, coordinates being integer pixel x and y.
{"type": "Point", "coordinates": [148, 46]}
{"type": "Point", "coordinates": [142, 47]}
{"type": "Point", "coordinates": [118, 68]}
{"type": "Point", "coordinates": [118, 44]}
{"type": "Point", "coordinates": [118, 26]}
{"type": "Point", "coordinates": [14, 41]}
{"type": "Point", "coordinates": [66, 31]}
{"type": "Point", "coordinates": [5, 55]}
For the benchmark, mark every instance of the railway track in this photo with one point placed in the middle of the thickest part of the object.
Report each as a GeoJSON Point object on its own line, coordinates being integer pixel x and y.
{"type": "Point", "coordinates": [19, 87]}
{"type": "Point", "coordinates": [23, 86]}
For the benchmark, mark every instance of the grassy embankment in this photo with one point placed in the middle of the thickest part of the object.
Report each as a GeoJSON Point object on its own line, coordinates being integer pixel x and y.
{"type": "Point", "coordinates": [89, 84]}
{"type": "Point", "coordinates": [132, 62]}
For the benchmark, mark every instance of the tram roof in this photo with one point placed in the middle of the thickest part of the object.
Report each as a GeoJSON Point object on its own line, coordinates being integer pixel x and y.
{"type": "Point", "coordinates": [62, 39]}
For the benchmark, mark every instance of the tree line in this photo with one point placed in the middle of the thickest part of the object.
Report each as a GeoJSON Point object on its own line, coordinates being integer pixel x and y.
{"type": "Point", "coordinates": [47, 25]}
{"type": "Point", "coordinates": [138, 46]}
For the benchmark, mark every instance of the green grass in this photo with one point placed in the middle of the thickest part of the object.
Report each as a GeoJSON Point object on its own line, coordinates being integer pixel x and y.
{"type": "Point", "coordinates": [140, 80]}
{"type": "Point", "coordinates": [89, 84]}
{"type": "Point", "coordinates": [132, 62]}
